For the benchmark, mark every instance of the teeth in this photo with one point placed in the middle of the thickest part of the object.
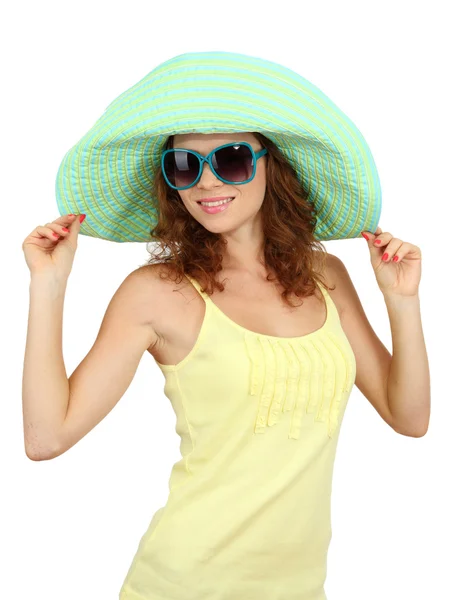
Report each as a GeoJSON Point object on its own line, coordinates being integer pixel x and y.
{"type": "Point", "coordinates": [216, 203]}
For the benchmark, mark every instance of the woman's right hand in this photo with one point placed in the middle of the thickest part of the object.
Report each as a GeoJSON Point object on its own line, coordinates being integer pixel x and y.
{"type": "Point", "coordinates": [47, 254]}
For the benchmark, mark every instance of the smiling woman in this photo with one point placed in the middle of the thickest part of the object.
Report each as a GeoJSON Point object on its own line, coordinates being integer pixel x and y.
{"type": "Point", "coordinates": [259, 382]}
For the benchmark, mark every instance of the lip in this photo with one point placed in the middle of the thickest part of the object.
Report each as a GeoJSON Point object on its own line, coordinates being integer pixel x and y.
{"type": "Point", "coordinates": [215, 199]}
{"type": "Point", "coordinates": [212, 210]}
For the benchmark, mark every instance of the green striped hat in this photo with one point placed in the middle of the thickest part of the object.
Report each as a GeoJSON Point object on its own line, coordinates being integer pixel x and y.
{"type": "Point", "coordinates": [108, 174]}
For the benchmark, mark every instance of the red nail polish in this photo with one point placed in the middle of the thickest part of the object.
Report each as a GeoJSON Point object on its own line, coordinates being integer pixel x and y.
{"type": "Point", "coordinates": [82, 217]}
{"type": "Point", "coordinates": [385, 256]}
{"type": "Point", "coordinates": [395, 259]}
{"type": "Point", "coordinates": [365, 236]}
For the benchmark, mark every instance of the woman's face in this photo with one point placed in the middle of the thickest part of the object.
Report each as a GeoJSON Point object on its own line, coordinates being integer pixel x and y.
{"type": "Point", "coordinates": [248, 197]}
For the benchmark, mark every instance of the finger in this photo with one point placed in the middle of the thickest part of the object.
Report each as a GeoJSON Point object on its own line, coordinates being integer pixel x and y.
{"type": "Point", "coordinates": [391, 250]}
{"type": "Point", "coordinates": [382, 240]}
{"type": "Point", "coordinates": [65, 219]}
{"type": "Point", "coordinates": [47, 232]}
{"type": "Point", "coordinates": [370, 236]}
{"type": "Point", "coordinates": [74, 228]}
{"type": "Point", "coordinates": [61, 230]}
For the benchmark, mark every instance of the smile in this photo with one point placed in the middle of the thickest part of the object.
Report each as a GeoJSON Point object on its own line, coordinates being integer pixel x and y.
{"type": "Point", "coordinates": [215, 207]}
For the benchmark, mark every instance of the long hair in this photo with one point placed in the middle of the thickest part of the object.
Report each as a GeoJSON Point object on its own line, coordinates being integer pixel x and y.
{"type": "Point", "coordinates": [290, 250]}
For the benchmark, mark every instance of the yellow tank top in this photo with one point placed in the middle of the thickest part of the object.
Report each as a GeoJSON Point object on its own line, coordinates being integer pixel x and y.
{"type": "Point", "coordinates": [248, 515]}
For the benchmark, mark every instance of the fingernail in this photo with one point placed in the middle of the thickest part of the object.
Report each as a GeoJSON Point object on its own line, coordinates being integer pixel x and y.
{"type": "Point", "coordinates": [395, 259]}
{"type": "Point", "coordinates": [82, 217]}
{"type": "Point", "coordinates": [385, 256]}
{"type": "Point", "coordinates": [377, 241]}
{"type": "Point", "coordinates": [365, 236]}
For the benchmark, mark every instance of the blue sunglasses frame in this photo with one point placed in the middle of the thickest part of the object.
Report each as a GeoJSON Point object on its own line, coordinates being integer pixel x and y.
{"type": "Point", "coordinates": [208, 159]}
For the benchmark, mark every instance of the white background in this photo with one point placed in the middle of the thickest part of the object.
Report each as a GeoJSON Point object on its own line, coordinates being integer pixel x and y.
{"type": "Point", "coordinates": [70, 526]}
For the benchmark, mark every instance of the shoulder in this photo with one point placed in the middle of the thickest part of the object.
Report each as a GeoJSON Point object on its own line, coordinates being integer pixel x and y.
{"type": "Point", "coordinates": [347, 298]}
{"type": "Point", "coordinates": [150, 289]}
{"type": "Point", "coordinates": [147, 279]}
{"type": "Point", "coordinates": [333, 276]}
{"type": "Point", "coordinates": [338, 275]}
{"type": "Point", "coordinates": [334, 265]}
{"type": "Point", "coordinates": [137, 292]}
{"type": "Point", "coordinates": [157, 299]}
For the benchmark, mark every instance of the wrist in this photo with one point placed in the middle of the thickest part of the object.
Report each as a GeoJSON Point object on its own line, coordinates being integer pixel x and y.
{"type": "Point", "coordinates": [47, 281]}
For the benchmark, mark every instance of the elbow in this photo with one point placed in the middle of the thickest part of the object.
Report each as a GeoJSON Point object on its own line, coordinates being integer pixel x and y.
{"type": "Point", "coordinates": [412, 434]}
{"type": "Point", "coordinates": [38, 454]}
{"type": "Point", "coordinates": [420, 433]}
{"type": "Point", "coordinates": [416, 426]}
{"type": "Point", "coordinates": [416, 432]}
{"type": "Point", "coordinates": [34, 457]}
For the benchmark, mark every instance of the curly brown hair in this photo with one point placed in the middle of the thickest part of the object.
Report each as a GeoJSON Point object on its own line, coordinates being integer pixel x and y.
{"type": "Point", "coordinates": [290, 251]}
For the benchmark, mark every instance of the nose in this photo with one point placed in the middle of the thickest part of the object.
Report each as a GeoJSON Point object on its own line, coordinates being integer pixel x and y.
{"type": "Point", "coordinates": [207, 177]}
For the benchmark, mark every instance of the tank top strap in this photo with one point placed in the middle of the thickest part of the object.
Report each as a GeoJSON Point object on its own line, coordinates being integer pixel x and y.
{"type": "Point", "coordinates": [197, 286]}
{"type": "Point", "coordinates": [332, 315]}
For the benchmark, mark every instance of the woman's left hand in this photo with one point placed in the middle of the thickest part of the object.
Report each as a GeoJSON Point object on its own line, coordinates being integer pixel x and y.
{"type": "Point", "coordinates": [399, 277]}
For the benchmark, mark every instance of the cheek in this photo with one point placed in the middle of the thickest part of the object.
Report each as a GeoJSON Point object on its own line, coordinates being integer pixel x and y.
{"type": "Point", "coordinates": [184, 200]}
{"type": "Point", "coordinates": [260, 180]}
{"type": "Point", "coordinates": [259, 187]}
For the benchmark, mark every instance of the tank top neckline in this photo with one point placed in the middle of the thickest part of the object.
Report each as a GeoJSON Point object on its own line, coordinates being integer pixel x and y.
{"type": "Point", "coordinates": [299, 338]}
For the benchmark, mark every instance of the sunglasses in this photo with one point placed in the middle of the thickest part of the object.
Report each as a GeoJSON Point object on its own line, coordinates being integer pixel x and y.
{"type": "Point", "coordinates": [231, 163]}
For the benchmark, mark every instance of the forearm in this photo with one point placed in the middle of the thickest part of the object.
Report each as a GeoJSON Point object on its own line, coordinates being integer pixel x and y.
{"type": "Point", "coordinates": [409, 389]}
{"type": "Point", "coordinates": [45, 385]}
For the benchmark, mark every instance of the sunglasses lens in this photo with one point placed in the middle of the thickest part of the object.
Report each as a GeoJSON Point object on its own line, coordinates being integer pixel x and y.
{"type": "Point", "coordinates": [181, 168]}
{"type": "Point", "coordinates": [233, 163]}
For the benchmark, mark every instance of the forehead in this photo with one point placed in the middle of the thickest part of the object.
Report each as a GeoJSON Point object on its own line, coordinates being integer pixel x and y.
{"type": "Point", "coordinates": [205, 142]}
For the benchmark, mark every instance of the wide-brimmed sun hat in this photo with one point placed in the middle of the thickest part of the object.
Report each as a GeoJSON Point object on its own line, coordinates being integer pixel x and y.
{"type": "Point", "coordinates": [109, 173]}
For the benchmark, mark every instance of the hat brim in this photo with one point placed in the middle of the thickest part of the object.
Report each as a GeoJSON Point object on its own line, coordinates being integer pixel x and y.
{"type": "Point", "coordinates": [108, 174]}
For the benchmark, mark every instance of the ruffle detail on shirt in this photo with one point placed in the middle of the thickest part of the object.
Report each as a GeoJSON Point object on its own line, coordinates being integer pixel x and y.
{"type": "Point", "coordinates": [306, 378]}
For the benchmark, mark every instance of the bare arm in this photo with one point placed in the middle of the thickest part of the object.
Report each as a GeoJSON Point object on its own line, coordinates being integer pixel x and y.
{"type": "Point", "coordinates": [59, 412]}
{"type": "Point", "coordinates": [45, 386]}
